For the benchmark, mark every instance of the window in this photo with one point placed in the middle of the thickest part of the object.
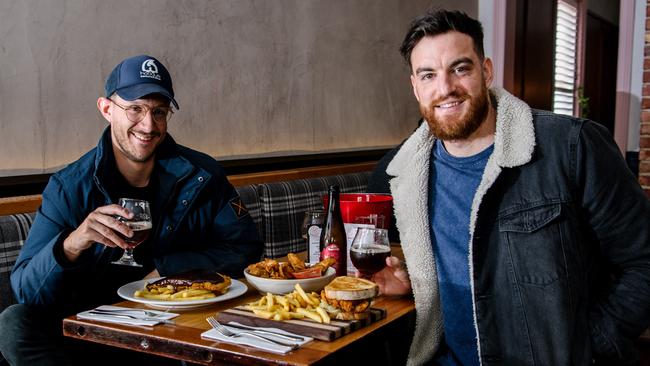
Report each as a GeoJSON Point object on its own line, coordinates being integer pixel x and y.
{"type": "Point", "coordinates": [565, 57]}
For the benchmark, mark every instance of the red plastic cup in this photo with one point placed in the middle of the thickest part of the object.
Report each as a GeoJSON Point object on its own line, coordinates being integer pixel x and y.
{"type": "Point", "coordinates": [365, 208]}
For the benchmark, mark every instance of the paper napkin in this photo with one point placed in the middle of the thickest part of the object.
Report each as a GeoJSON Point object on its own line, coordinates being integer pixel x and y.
{"type": "Point", "coordinates": [247, 340]}
{"type": "Point", "coordinates": [123, 315]}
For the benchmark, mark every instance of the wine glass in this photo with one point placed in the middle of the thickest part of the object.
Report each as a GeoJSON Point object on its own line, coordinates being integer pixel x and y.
{"type": "Point", "coordinates": [141, 225]}
{"type": "Point", "coordinates": [369, 250]}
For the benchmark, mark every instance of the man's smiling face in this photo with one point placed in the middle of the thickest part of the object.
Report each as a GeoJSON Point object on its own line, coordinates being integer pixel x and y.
{"type": "Point", "coordinates": [136, 142]}
{"type": "Point", "coordinates": [450, 82]}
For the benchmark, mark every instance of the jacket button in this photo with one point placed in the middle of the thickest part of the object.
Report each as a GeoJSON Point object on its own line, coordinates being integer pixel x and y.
{"type": "Point", "coordinates": [184, 202]}
{"type": "Point", "coordinates": [200, 179]}
{"type": "Point", "coordinates": [169, 228]}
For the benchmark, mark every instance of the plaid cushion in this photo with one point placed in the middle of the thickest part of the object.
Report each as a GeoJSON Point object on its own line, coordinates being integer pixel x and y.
{"type": "Point", "coordinates": [284, 204]}
{"type": "Point", "coordinates": [251, 200]}
{"type": "Point", "coordinates": [13, 232]}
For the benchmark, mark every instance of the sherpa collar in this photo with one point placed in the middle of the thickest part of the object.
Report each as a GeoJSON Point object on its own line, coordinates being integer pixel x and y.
{"type": "Point", "coordinates": [514, 140]}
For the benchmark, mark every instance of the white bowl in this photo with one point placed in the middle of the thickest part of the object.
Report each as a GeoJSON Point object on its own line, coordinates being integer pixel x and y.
{"type": "Point", "coordinates": [281, 287]}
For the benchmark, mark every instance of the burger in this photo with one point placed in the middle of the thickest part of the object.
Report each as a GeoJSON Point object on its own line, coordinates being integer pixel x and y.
{"type": "Point", "coordinates": [349, 297]}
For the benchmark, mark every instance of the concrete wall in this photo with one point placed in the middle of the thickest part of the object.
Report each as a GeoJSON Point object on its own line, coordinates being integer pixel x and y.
{"type": "Point", "coordinates": [253, 77]}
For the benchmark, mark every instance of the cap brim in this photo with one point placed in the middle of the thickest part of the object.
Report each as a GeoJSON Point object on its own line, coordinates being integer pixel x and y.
{"type": "Point", "coordinates": [138, 91]}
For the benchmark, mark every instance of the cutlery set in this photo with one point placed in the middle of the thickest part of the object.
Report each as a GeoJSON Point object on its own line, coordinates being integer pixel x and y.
{"type": "Point", "coordinates": [265, 331]}
{"type": "Point", "coordinates": [132, 314]}
{"type": "Point", "coordinates": [232, 331]}
{"type": "Point", "coordinates": [255, 333]}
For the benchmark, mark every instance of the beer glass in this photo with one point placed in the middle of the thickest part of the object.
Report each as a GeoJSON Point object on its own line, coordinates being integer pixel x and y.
{"type": "Point", "coordinates": [141, 225]}
{"type": "Point", "coordinates": [369, 250]}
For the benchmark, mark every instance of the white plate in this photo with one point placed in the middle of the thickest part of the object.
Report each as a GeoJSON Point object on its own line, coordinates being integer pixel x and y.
{"type": "Point", "coordinates": [281, 286]}
{"type": "Point", "coordinates": [237, 288]}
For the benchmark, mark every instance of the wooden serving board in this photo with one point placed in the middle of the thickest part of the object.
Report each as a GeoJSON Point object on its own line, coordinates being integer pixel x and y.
{"type": "Point", "coordinates": [306, 327]}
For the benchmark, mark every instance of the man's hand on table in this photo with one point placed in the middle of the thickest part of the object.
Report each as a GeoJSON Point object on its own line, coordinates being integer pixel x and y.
{"type": "Point", "coordinates": [393, 279]}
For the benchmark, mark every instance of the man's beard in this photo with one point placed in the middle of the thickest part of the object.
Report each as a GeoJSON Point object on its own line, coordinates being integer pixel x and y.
{"type": "Point", "coordinates": [462, 127]}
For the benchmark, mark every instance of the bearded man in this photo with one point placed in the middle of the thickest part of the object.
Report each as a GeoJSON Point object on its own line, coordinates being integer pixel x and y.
{"type": "Point", "coordinates": [525, 235]}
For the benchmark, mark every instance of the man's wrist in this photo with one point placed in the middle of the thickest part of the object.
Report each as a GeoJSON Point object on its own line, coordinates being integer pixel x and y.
{"type": "Point", "coordinates": [69, 253]}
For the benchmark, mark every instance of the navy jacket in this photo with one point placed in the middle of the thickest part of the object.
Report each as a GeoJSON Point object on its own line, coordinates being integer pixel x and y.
{"type": "Point", "coordinates": [199, 223]}
{"type": "Point", "coordinates": [559, 255]}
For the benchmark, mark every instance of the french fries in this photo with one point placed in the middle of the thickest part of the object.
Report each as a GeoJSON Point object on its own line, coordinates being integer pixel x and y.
{"type": "Point", "coordinates": [324, 315]}
{"type": "Point", "coordinates": [295, 305]}
{"type": "Point", "coordinates": [313, 315]}
{"type": "Point", "coordinates": [308, 300]}
{"type": "Point", "coordinates": [168, 294]}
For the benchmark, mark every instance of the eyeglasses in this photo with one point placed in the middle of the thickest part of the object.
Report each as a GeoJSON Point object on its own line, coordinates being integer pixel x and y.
{"type": "Point", "coordinates": [136, 112]}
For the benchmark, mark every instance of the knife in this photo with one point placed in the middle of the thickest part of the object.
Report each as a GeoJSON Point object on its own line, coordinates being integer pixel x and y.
{"type": "Point", "coordinates": [110, 314]}
{"type": "Point", "coordinates": [265, 331]}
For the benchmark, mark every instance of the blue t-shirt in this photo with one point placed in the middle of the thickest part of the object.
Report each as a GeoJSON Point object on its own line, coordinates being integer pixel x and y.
{"type": "Point", "coordinates": [452, 184]}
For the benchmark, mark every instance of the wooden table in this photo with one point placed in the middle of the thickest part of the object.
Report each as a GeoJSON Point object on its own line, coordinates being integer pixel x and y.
{"type": "Point", "coordinates": [183, 340]}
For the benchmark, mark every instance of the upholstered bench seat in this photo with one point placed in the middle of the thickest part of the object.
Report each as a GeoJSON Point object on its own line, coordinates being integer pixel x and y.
{"type": "Point", "coordinates": [13, 232]}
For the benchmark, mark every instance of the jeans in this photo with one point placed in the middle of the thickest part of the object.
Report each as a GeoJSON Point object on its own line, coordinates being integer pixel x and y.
{"type": "Point", "coordinates": [32, 336]}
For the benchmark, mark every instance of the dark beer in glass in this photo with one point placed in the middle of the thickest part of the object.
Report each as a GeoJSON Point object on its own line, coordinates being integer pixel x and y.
{"type": "Point", "coordinates": [141, 230]}
{"type": "Point", "coordinates": [370, 259]}
{"type": "Point", "coordinates": [141, 225]}
{"type": "Point", "coordinates": [369, 250]}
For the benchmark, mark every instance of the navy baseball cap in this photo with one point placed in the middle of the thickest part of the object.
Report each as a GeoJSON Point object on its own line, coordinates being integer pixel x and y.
{"type": "Point", "coordinates": [138, 76]}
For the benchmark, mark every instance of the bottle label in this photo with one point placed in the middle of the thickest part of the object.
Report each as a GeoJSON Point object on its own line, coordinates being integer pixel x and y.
{"type": "Point", "coordinates": [330, 251]}
{"type": "Point", "coordinates": [314, 243]}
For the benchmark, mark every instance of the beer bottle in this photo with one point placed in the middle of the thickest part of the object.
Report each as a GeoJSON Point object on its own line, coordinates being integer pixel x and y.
{"type": "Point", "coordinates": [333, 241]}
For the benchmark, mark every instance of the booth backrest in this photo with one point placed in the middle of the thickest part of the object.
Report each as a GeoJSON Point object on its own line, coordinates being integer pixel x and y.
{"type": "Point", "coordinates": [13, 232]}
{"type": "Point", "coordinates": [277, 209]}
{"type": "Point", "coordinates": [283, 205]}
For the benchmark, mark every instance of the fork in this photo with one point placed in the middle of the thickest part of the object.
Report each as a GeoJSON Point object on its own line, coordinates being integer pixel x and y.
{"type": "Point", "coordinates": [264, 331]}
{"type": "Point", "coordinates": [230, 334]}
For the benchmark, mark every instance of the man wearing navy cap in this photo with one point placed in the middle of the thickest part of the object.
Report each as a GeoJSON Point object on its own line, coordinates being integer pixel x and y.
{"type": "Point", "coordinates": [66, 265]}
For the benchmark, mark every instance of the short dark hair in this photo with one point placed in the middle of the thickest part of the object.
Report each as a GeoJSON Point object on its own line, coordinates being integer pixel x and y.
{"type": "Point", "coordinates": [438, 22]}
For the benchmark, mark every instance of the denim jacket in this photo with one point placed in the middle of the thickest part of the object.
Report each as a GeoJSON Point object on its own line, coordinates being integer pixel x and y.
{"type": "Point", "coordinates": [201, 224]}
{"type": "Point", "coordinates": [559, 250]}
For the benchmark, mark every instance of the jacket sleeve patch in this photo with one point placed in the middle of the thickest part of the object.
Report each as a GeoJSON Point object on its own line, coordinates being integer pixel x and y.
{"type": "Point", "coordinates": [238, 207]}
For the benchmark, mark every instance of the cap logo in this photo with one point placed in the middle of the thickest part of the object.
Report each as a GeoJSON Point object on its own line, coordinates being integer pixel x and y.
{"type": "Point", "coordinates": [149, 70]}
